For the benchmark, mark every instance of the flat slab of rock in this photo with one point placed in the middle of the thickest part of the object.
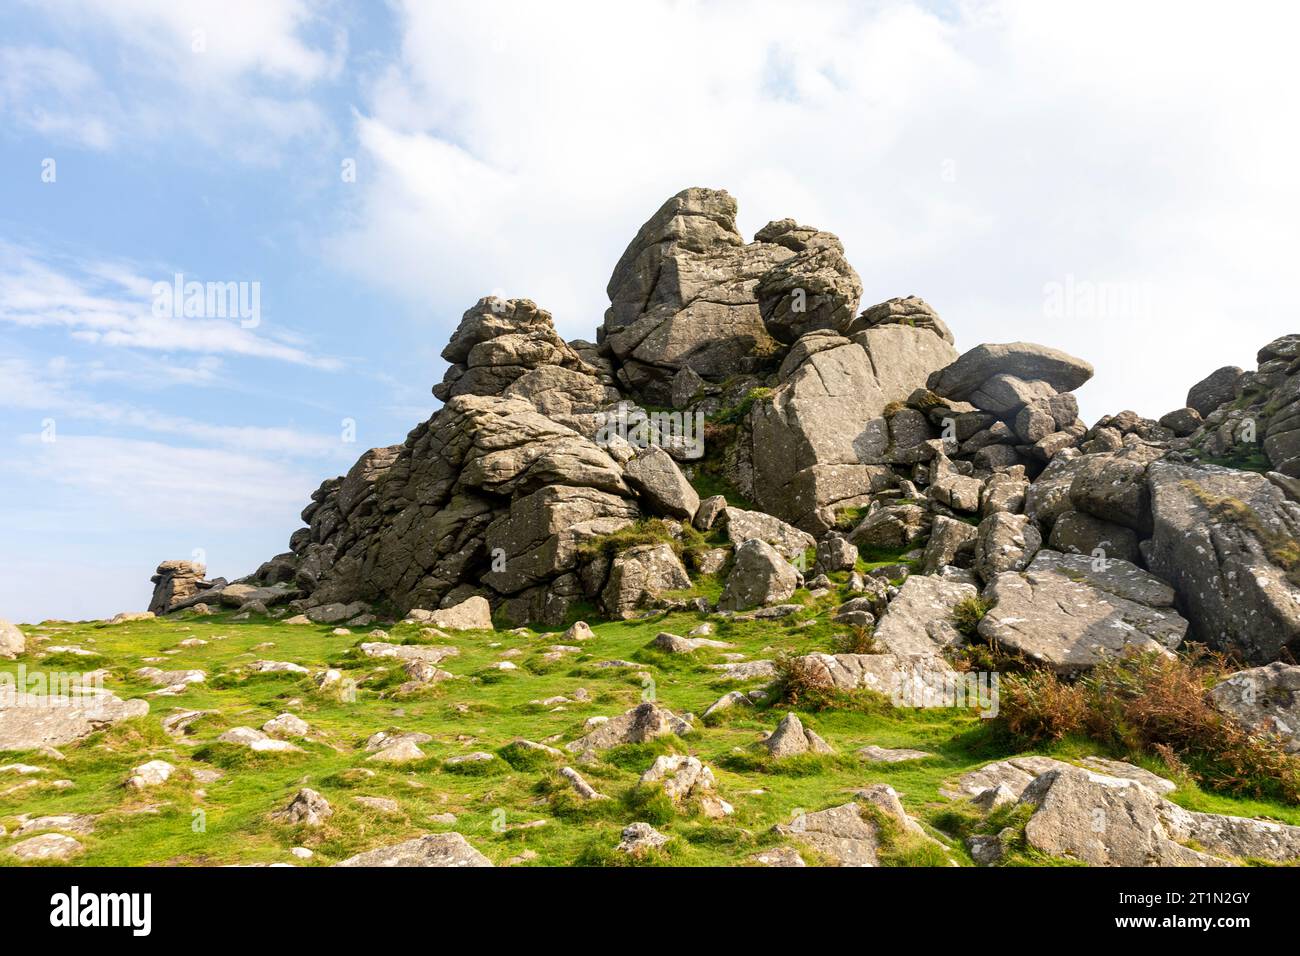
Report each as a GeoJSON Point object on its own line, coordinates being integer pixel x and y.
{"type": "Point", "coordinates": [432, 849]}
{"type": "Point", "coordinates": [1071, 626]}
{"type": "Point", "coordinates": [30, 723]}
{"type": "Point", "coordinates": [874, 754]}
{"type": "Point", "coordinates": [918, 621]}
{"type": "Point", "coordinates": [745, 670]}
{"type": "Point", "coordinates": [433, 653]}
{"type": "Point", "coordinates": [48, 846]}
{"type": "Point", "coordinates": [1113, 575]}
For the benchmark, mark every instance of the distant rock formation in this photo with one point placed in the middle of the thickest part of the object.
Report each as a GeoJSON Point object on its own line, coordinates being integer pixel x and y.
{"type": "Point", "coordinates": [750, 365]}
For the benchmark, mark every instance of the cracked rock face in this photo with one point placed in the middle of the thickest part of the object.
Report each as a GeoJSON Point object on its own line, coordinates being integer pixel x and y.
{"type": "Point", "coordinates": [682, 296]}
{"type": "Point", "coordinates": [1222, 539]}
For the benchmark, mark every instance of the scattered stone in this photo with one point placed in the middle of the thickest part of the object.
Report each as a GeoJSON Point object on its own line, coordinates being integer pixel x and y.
{"type": "Point", "coordinates": [585, 790]}
{"type": "Point", "coordinates": [432, 849]}
{"type": "Point", "coordinates": [308, 808]}
{"type": "Point", "coordinates": [257, 741]}
{"type": "Point", "coordinates": [638, 839]}
{"type": "Point", "coordinates": [641, 724]}
{"type": "Point", "coordinates": [286, 727]}
{"type": "Point", "coordinates": [791, 738]}
{"type": "Point", "coordinates": [152, 774]}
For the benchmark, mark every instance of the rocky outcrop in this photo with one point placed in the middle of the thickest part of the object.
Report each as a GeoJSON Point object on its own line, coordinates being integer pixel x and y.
{"type": "Point", "coordinates": [174, 582]}
{"type": "Point", "coordinates": [682, 295]}
{"type": "Point", "coordinates": [1057, 614]}
{"type": "Point", "coordinates": [1225, 540]}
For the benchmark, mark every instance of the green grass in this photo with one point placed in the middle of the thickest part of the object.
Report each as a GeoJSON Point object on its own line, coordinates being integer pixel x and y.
{"type": "Point", "coordinates": [228, 821]}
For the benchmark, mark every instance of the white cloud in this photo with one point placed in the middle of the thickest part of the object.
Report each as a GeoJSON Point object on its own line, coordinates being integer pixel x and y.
{"type": "Point", "coordinates": [233, 77]}
{"type": "Point", "coordinates": [975, 159]}
{"type": "Point", "coordinates": [49, 392]}
{"type": "Point", "coordinates": [165, 485]}
{"type": "Point", "coordinates": [40, 88]}
{"type": "Point", "coordinates": [110, 305]}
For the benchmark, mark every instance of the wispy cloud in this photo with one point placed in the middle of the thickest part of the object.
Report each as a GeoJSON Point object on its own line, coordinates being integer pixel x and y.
{"type": "Point", "coordinates": [110, 305]}
{"type": "Point", "coordinates": [49, 392]}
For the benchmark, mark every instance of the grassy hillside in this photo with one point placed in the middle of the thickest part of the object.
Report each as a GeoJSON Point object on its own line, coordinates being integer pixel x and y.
{"type": "Point", "coordinates": [494, 803]}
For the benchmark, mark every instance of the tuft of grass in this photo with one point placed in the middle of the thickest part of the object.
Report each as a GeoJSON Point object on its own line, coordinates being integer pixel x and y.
{"type": "Point", "coordinates": [968, 612]}
{"type": "Point", "coordinates": [859, 640]}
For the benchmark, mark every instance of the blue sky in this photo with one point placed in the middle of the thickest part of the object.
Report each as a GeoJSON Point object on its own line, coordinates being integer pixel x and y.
{"type": "Point", "coordinates": [1087, 176]}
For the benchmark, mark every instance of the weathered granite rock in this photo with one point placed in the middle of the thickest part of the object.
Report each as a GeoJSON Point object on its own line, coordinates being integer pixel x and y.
{"type": "Point", "coordinates": [1223, 539]}
{"type": "Point", "coordinates": [918, 621]}
{"type": "Point", "coordinates": [1266, 700]}
{"type": "Point", "coordinates": [432, 849]}
{"type": "Point", "coordinates": [1070, 625]}
{"type": "Point", "coordinates": [174, 582]}
{"type": "Point", "coordinates": [1217, 388]}
{"type": "Point", "coordinates": [30, 723]}
{"type": "Point", "coordinates": [639, 575]}
{"type": "Point", "coordinates": [814, 290]}
{"type": "Point", "coordinates": [792, 738]}
{"type": "Point", "coordinates": [1078, 533]}
{"type": "Point", "coordinates": [638, 839]}
{"type": "Point", "coordinates": [949, 539]}
{"type": "Point", "coordinates": [687, 781]}
{"type": "Point", "coordinates": [821, 440]}
{"type": "Point", "coordinates": [12, 641]}
{"type": "Point", "coordinates": [759, 576]}
{"type": "Point", "coordinates": [1004, 542]}
{"type": "Point", "coordinates": [682, 295]}
{"type": "Point", "coordinates": [307, 808]}
{"type": "Point", "coordinates": [741, 526]}
{"type": "Point", "coordinates": [642, 723]}
{"type": "Point", "coordinates": [660, 484]}
{"type": "Point", "coordinates": [1029, 362]}
{"type": "Point", "coordinates": [841, 834]}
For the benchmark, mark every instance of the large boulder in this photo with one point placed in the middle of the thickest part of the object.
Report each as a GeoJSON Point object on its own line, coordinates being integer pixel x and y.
{"type": "Point", "coordinates": [1103, 820]}
{"type": "Point", "coordinates": [1005, 542]}
{"type": "Point", "coordinates": [660, 484]}
{"type": "Point", "coordinates": [918, 621]}
{"type": "Point", "coordinates": [1226, 541]}
{"type": "Point", "coordinates": [1217, 388]}
{"type": "Point", "coordinates": [1026, 361]}
{"type": "Point", "coordinates": [639, 575]}
{"type": "Point", "coordinates": [741, 526]}
{"type": "Point", "coordinates": [821, 440]}
{"type": "Point", "coordinates": [814, 290]}
{"type": "Point", "coordinates": [682, 296]}
{"type": "Point", "coordinates": [1070, 625]}
{"type": "Point", "coordinates": [759, 576]}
